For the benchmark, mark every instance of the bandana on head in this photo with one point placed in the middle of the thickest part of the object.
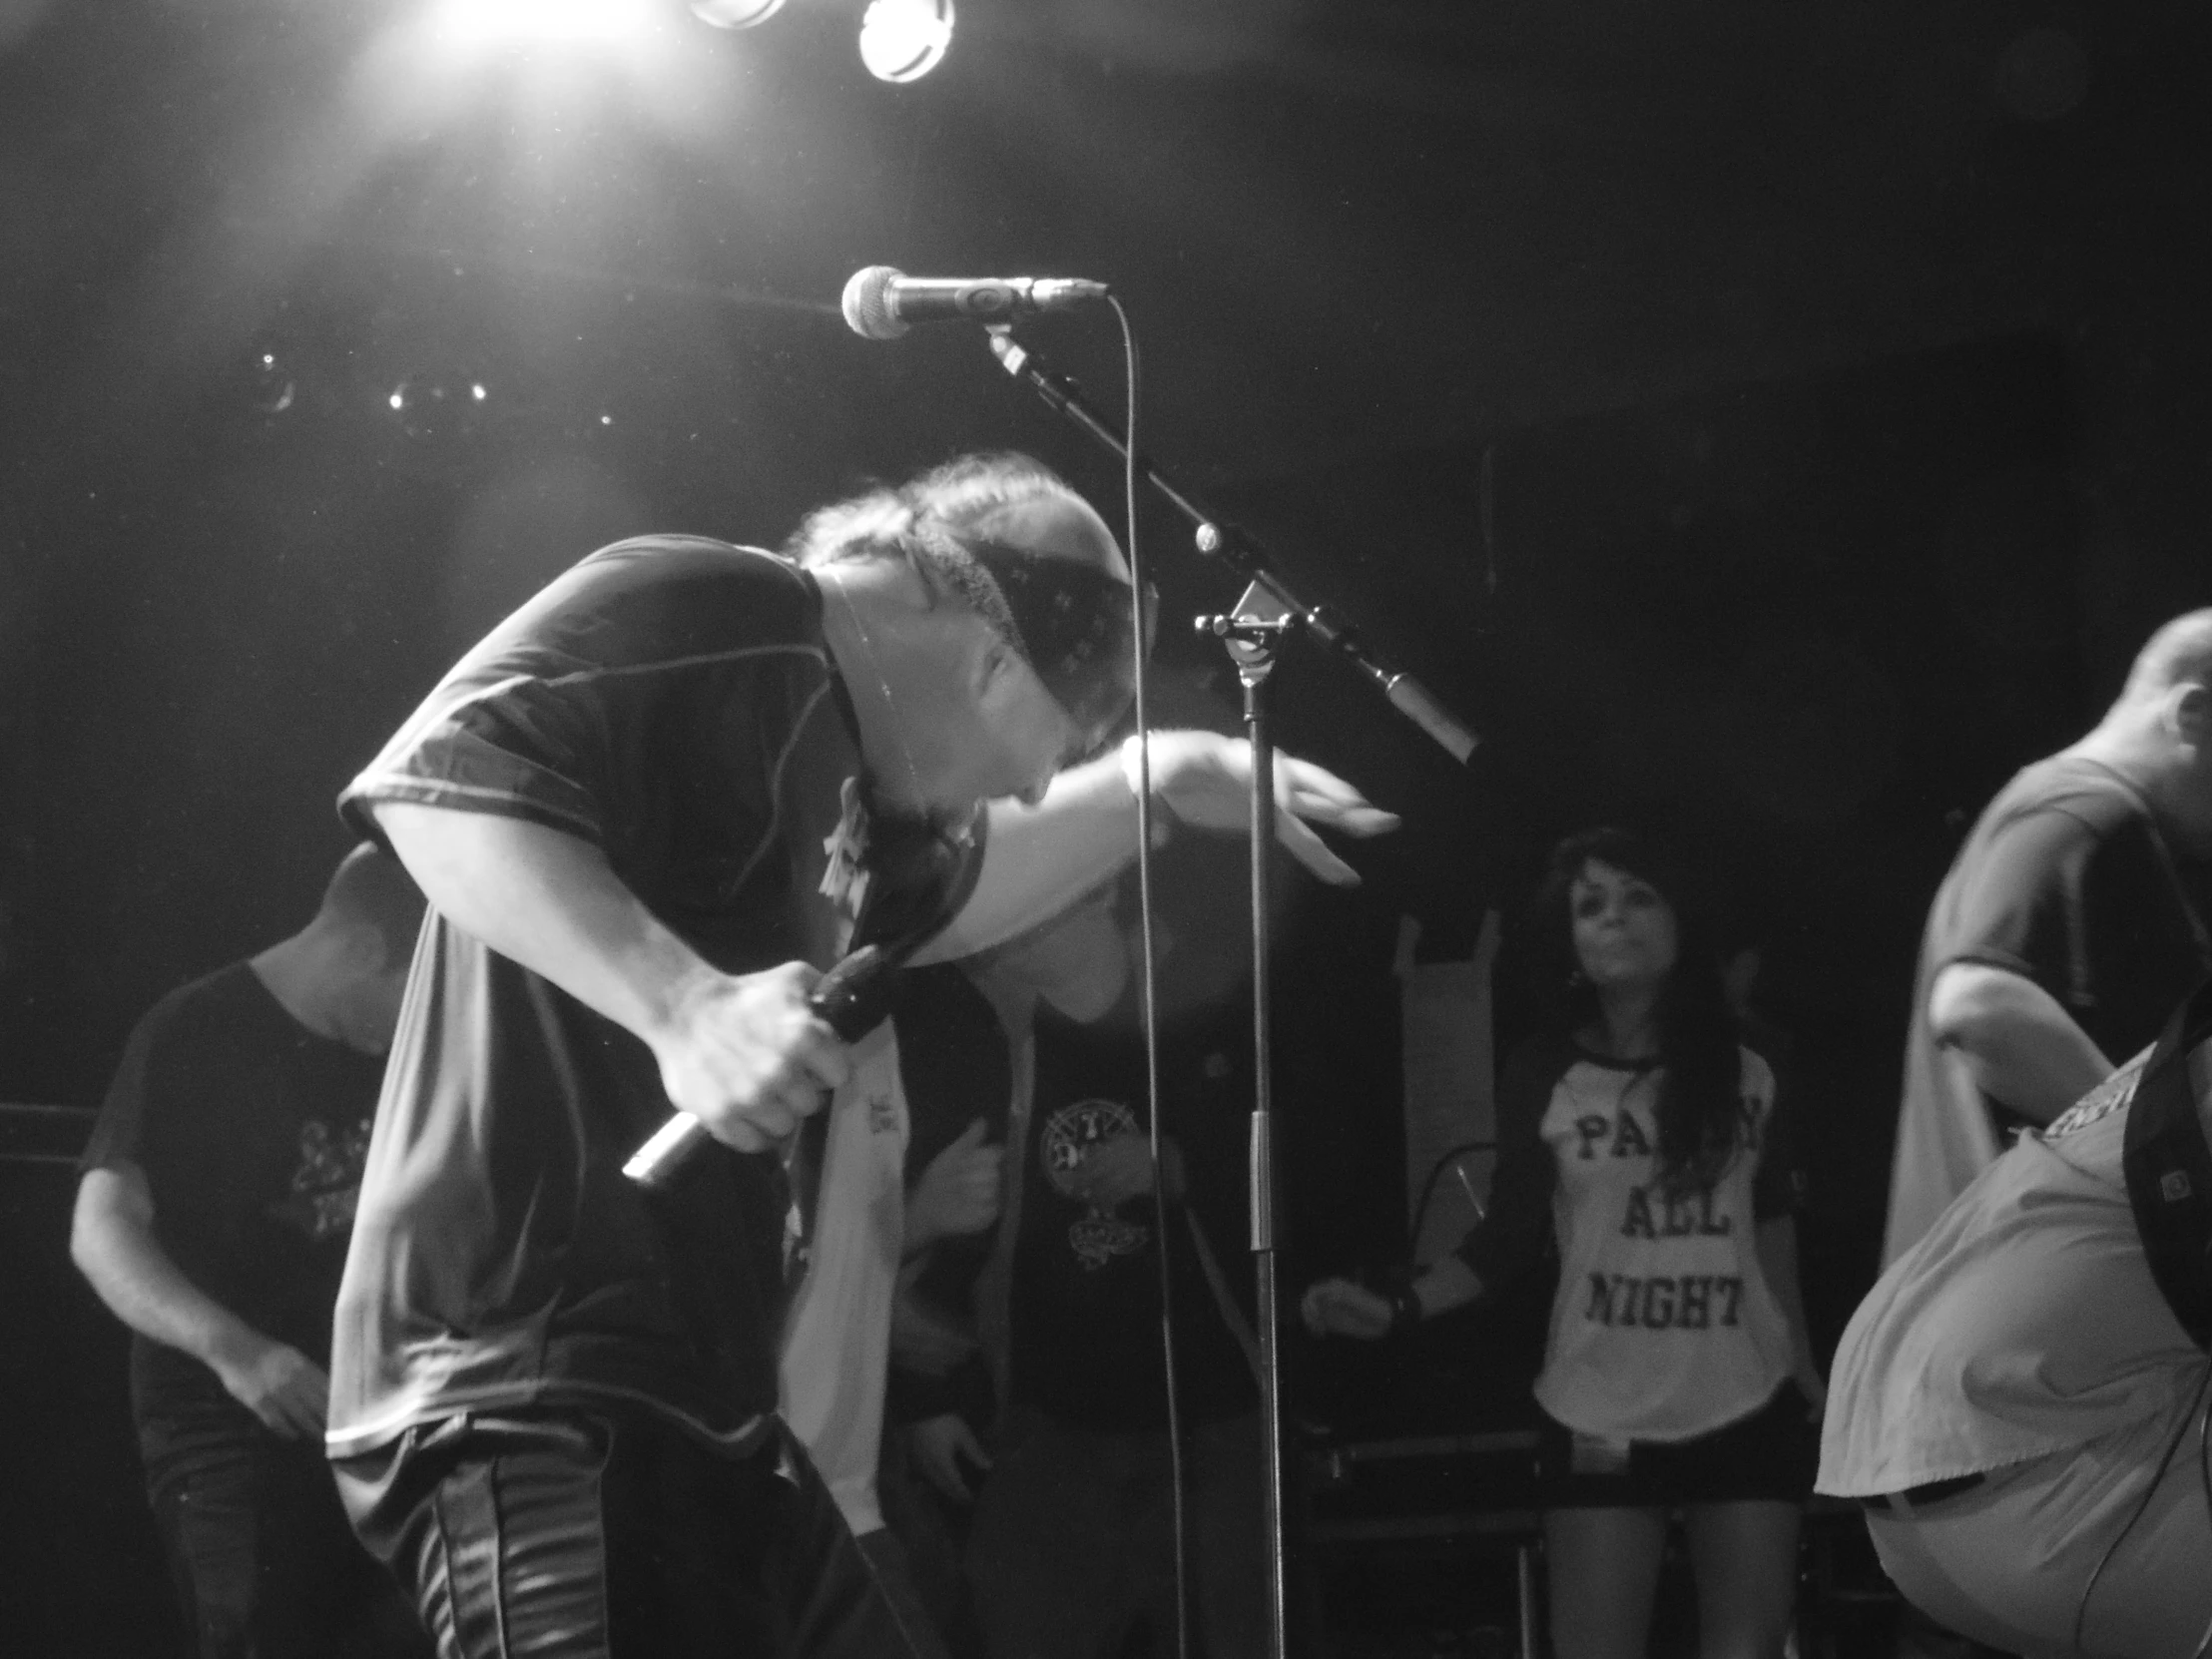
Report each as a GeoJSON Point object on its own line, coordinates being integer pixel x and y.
{"type": "Point", "coordinates": [1072, 625]}
{"type": "Point", "coordinates": [1070, 622]}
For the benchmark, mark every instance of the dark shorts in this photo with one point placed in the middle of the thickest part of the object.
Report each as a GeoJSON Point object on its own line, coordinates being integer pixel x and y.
{"type": "Point", "coordinates": [1768, 1455]}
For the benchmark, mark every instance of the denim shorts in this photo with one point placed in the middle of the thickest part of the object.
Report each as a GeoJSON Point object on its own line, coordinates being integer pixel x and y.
{"type": "Point", "coordinates": [1767, 1455]}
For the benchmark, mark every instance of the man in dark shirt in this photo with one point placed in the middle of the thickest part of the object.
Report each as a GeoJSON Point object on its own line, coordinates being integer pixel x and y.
{"type": "Point", "coordinates": [1071, 1550]}
{"type": "Point", "coordinates": [648, 810]}
{"type": "Point", "coordinates": [212, 1215]}
{"type": "Point", "coordinates": [2065, 933]}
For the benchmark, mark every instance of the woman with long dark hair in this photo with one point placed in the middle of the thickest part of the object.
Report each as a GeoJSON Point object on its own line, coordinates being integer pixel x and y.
{"type": "Point", "coordinates": [1635, 1136]}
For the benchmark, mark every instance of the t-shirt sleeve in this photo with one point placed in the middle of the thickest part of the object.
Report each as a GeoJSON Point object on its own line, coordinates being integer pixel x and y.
{"type": "Point", "coordinates": [1515, 1231]}
{"type": "Point", "coordinates": [124, 1131]}
{"type": "Point", "coordinates": [562, 714]}
{"type": "Point", "coordinates": [2023, 910]}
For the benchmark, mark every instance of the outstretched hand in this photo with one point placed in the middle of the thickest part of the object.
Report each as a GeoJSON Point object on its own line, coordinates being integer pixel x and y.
{"type": "Point", "coordinates": [282, 1386]}
{"type": "Point", "coordinates": [1205, 780]}
{"type": "Point", "coordinates": [1339, 1307]}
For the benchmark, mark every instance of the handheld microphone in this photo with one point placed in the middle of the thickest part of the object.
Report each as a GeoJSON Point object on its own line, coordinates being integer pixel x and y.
{"type": "Point", "coordinates": [852, 999]}
{"type": "Point", "coordinates": [882, 303]}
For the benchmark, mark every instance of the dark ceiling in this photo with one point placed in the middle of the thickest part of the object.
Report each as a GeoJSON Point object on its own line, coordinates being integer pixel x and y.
{"type": "Point", "coordinates": [255, 254]}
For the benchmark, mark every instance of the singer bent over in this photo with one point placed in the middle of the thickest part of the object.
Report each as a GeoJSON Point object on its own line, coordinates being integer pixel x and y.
{"type": "Point", "coordinates": [647, 810]}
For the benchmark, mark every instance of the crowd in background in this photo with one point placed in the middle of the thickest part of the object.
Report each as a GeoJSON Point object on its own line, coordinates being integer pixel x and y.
{"type": "Point", "coordinates": [567, 1425]}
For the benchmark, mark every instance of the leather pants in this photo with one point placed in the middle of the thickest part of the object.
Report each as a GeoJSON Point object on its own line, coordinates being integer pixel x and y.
{"type": "Point", "coordinates": [574, 1534]}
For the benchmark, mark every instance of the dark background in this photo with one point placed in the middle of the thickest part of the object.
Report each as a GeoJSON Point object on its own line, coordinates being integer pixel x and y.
{"type": "Point", "coordinates": [1770, 424]}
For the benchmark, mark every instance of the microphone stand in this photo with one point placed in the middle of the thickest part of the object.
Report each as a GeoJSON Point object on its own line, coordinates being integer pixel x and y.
{"type": "Point", "coordinates": [1266, 615]}
{"type": "Point", "coordinates": [1241, 553]}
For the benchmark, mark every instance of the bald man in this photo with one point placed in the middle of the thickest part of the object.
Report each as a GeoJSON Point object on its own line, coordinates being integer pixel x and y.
{"type": "Point", "coordinates": [2068, 930]}
{"type": "Point", "coordinates": [212, 1217]}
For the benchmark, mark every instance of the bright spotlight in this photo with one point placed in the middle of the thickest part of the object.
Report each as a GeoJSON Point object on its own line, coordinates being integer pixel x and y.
{"type": "Point", "coordinates": [904, 40]}
{"type": "Point", "coordinates": [478, 22]}
{"type": "Point", "coordinates": [734, 14]}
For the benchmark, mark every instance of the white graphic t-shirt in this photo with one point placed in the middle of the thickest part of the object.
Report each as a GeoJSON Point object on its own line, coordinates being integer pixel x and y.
{"type": "Point", "coordinates": [837, 1341]}
{"type": "Point", "coordinates": [1664, 1327]}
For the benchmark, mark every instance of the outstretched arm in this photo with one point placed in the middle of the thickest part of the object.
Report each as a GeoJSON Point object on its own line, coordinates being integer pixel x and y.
{"type": "Point", "coordinates": [1340, 1308]}
{"type": "Point", "coordinates": [112, 1241]}
{"type": "Point", "coordinates": [2019, 1044]}
{"type": "Point", "coordinates": [740, 1052]}
{"type": "Point", "coordinates": [1039, 859]}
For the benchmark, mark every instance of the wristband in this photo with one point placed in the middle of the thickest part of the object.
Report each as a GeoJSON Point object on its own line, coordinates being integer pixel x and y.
{"type": "Point", "coordinates": [1132, 769]}
{"type": "Point", "coordinates": [1163, 814]}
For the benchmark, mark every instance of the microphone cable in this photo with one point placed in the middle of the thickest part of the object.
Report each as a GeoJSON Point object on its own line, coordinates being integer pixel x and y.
{"type": "Point", "coordinates": [1147, 989]}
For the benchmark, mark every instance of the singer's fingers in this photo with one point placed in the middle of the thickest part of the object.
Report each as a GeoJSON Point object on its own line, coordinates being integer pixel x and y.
{"type": "Point", "coordinates": [817, 1056]}
{"type": "Point", "coordinates": [1311, 851]}
{"type": "Point", "coordinates": [740, 1136]}
{"type": "Point", "coordinates": [1309, 1310]}
{"type": "Point", "coordinates": [973, 1134]}
{"type": "Point", "coordinates": [794, 978]}
{"type": "Point", "coordinates": [1316, 792]}
{"type": "Point", "coordinates": [768, 1121]}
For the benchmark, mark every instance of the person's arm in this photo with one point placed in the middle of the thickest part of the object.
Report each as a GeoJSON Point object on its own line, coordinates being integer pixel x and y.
{"type": "Point", "coordinates": [743, 1053]}
{"type": "Point", "coordinates": [112, 1241]}
{"type": "Point", "coordinates": [1775, 1240]}
{"type": "Point", "coordinates": [1341, 1308]}
{"type": "Point", "coordinates": [2019, 1046]}
{"type": "Point", "coordinates": [1038, 859]}
{"type": "Point", "coordinates": [957, 1194]}
{"type": "Point", "coordinates": [1511, 1233]}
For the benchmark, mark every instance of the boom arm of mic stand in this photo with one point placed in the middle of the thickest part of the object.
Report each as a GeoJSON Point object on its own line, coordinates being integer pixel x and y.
{"type": "Point", "coordinates": [1241, 554]}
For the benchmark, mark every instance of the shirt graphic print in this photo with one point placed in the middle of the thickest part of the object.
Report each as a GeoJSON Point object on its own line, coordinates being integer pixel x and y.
{"type": "Point", "coordinates": [1664, 1327]}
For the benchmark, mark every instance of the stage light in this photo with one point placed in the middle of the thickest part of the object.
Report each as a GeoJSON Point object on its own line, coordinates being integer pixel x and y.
{"type": "Point", "coordinates": [522, 22]}
{"type": "Point", "coordinates": [904, 40]}
{"type": "Point", "coordinates": [269, 380]}
{"type": "Point", "coordinates": [734, 14]}
{"type": "Point", "coordinates": [439, 413]}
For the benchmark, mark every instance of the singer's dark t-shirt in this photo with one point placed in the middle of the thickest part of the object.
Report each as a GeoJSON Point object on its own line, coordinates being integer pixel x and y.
{"type": "Point", "coordinates": [672, 702]}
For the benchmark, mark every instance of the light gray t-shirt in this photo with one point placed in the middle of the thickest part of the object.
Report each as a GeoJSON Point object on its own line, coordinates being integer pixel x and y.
{"type": "Point", "coordinates": [2025, 1322]}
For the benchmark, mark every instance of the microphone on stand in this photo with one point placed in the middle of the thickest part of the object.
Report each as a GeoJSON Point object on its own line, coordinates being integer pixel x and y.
{"type": "Point", "coordinates": [852, 999]}
{"type": "Point", "coordinates": [881, 303]}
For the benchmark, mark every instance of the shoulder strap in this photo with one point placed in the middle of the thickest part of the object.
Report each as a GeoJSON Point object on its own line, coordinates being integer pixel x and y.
{"type": "Point", "coordinates": [2168, 1165]}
